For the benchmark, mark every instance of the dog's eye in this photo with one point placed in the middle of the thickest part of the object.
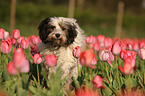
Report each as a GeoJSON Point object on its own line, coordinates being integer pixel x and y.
{"type": "Point", "coordinates": [63, 28]}
{"type": "Point", "coordinates": [51, 28]}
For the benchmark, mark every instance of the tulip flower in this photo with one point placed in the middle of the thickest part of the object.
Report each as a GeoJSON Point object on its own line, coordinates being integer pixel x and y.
{"type": "Point", "coordinates": [86, 58]}
{"type": "Point", "coordinates": [100, 38]}
{"type": "Point", "coordinates": [24, 43]}
{"type": "Point", "coordinates": [106, 55]}
{"type": "Point", "coordinates": [20, 39]}
{"type": "Point", "coordinates": [37, 59]}
{"type": "Point", "coordinates": [35, 40]}
{"type": "Point", "coordinates": [25, 68]}
{"type": "Point", "coordinates": [5, 47]}
{"type": "Point", "coordinates": [34, 50]}
{"type": "Point", "coordinates": [127, 68]}
{"type": "Point", "coordinates": [95, 46]}
{"type": "Point", "coordinates": [97, 82]}
{"type": "Point", "coordinates": [6, 35]}
{"type": "Point", "coordinates": [85, 92]}
{"type": "Point", "coordinates": [1, 33]}
{"type": "Point", "coordinates": [50, 60]}
{"type": "Point", "coordinates": [19, 58]}
{"type": "Point", "coordinates": [107, 42]}
{"type": "Point", "coordinates": [141, 54]}
{"type": "Point", "coordinates": [141, 43]}
{"type": "Point", "coordinates": [11, 69]}
{"type": "Point", "coordinates": [91, 39]}
{"type": "Point", "coordinates": [77, 52]}
{"type": "Point", "coordinates": [116, 47]}
{"type": "Point", "coordinates": [16, 33]}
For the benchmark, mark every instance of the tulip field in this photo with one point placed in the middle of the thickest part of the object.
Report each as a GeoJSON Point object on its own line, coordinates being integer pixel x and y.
{"type": "Point", "coordinates": [110, 67]}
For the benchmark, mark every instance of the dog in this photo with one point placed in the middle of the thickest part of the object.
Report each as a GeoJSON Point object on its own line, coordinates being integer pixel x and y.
{"type": "Point", "coordinates": [59, 35]}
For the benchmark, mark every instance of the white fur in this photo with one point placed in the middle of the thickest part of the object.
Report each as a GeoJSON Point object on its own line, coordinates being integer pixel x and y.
{"type": "Point", "coordinates": [65, 58]}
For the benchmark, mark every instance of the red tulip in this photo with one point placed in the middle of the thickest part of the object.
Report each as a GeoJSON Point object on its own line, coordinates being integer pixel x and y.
{"type": "Point", "coordinates": [86, 58]}
{"type": "Point", "coordinates": [37, 59]}
{"type": "Point", "coordinates": [16, 33]}
{"type": "Point", "coordinates": [100, 38]}
{"type": "Point", "coordinates": [34, 50]}
{"type": "Point", "coordinates": [24, 43]}
{"type": "Point", "coordinates": [35, 40]}
{"type": "Point", "coordinates": [141, 54]}
{"type": "Point", "coordinates": [130, 60]}
{"type": "Point", "coordinates": [95, 46]}
{"type": "Point", "coordinates": [11, 69]}
{"type": "Point", "coordinates": [50, 60]}
{"type": "Point", "coordinates": [91, 39]}
{"type": "Point", "coordinates": [142, 43]}
{"type": "Point", "coordinates": [127, 68]}
{"type": "Point", "coordinates": [116, 47]}
{"type": "Point", "coordinates": [2, 33]}
{"type": "Point", "coordinates": [5, 47]}
{"type": "Point", "coordinates": [97, 82]}
{"type": "Point", "coordinates": [77, 52]}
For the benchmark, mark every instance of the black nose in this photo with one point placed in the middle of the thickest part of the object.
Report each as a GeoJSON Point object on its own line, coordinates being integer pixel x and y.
{"type": "Point", "coordinates": [57, 35]}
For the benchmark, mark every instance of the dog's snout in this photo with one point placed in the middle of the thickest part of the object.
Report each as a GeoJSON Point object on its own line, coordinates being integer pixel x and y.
{"type": "Point", "coordinates": [57, 35]}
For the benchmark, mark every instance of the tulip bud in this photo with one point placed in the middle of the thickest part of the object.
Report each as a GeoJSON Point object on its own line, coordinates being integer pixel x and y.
{"type": "Point", "coordinates": [6, 35]}
{"type": "Point", "coordinates": [50, 60]}
{"type": "Point", "coordinates": [37, 59]}
{"type": "Point", "coordinates": [16, 33]}
{"type": "Point", "coordinates": [100, 38]}
{"type": "Point", "coordinates": [116, 47]}
{"type": "Point", "coordinates": [5, 47]}
{"type": "Point", "coordinates": [1, 33]}
{"type": "Point", "coordinates": [11, 69]}
{"type": "Point", "coordinates": [141, 54]}
{"type": "Point", "coordinates": [91, 39]}
{"type": "Point", "coordinates": [97, 82]}
{"type": "Point", "coordinates": [77, 52]}
{"type": "Point", "coordinates": [24, 43]}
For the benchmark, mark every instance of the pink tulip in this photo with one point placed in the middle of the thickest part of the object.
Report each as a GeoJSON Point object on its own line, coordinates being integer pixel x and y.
{"type": "Point", "coordinates": [87, 57]}
{"type": "Point", "coordinates": [85, 92]}
{"type": "Point", "coordinates": [20, 39]}
{"type": "Point", "coordinates": [35, 40]}
{"type": "Point", "coordinates": [100, 38]}
{"type": "Point", "coordinates": [107, 42]}
{"type": "Point", "coordinates": [6, 35]}
{"type": "Point", "coordinates": [25, 68]}
{"type": "Point", "coordinates": [91, 39]}
{"type": "Point", "coordinates": [141, 54]}
{"type": "Point", "coordinates": [11, 69]}
{"type": "Point", "coordinates": [77, 52]}
{"type": "Point", "coordinates": [37, 59]}
{"type": "Point", "coordinates": [116, 47]}
{"type": "Point", "coordinates": [2, 33]}
{"type": "Point", "coordinates": [106, 55]}
{"type": "Point", "coordinates": [130, 60]}
{"type": "Point", "coordinates": [97, 82]}
{"type": "Point", "coordinates": [16, 33]}
{"type": "Point", "coordinates": [24, 43]}
{"type": "Point", "coordinates": [50, 60]}
{"type": "Point", "coordinates": [127, 68]}
{"type": "Point", "coordinates": [19, 58]}
{"type": "Point", "coordinates": [5, 47]}
{"type": "Point", "coordinates": [141, 43]}
{"type": "Point", "coordinates": [34, 50]}
{"type": "Point", "coordinates": [95, 46]}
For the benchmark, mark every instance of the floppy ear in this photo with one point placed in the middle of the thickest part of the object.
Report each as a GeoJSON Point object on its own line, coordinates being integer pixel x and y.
{"type": "Point", "coordinates": [72, 33]}
{"type": "Point", "coordinates": [42, 30]}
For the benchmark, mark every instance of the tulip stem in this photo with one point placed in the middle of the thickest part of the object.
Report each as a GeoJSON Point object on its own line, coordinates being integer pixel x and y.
{"type": "Point", "coordinates": [38, 74]}
{"type": "Point", "coordinates": [117, 72]}
{"type": "Point", "coordinates": [6, 75]}
{"type": "Point", "coordinates": [108, 74]}
{"type": "Point", "coordinates": [78, 66]}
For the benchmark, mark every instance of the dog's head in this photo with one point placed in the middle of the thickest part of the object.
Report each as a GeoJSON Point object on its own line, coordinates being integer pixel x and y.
{"type": "Point", "coordinates": [58, 31]}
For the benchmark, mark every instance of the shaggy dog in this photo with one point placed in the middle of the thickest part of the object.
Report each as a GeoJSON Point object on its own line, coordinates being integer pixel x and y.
{"type": "Point", "coordinates": [59, 35]}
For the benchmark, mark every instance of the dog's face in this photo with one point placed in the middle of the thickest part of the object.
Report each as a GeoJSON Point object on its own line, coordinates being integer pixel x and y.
{"type": "Point", "coordinates": [57, 31]}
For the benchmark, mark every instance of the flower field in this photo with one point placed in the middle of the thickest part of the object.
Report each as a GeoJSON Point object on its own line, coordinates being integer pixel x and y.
{"type": "Point", "coordinates": [110, 67]}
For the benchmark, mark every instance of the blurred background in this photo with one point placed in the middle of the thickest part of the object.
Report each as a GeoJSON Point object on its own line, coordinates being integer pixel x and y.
{"type": "Point", "coordinates": [122, 18]}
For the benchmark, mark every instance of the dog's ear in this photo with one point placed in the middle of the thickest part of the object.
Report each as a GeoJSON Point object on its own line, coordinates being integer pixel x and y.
{"type": "Point", "coordinates": [42, 30]}
{"type": "Point", "coordinates": [72, 33]}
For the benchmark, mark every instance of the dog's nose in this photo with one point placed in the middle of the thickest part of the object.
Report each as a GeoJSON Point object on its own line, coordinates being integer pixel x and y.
{"type": "Point", "coordinates": [57, 35]}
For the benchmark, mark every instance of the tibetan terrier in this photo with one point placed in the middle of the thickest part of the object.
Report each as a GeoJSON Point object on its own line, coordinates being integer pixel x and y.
{"type": "Point", "coordinates": [59, 35]}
